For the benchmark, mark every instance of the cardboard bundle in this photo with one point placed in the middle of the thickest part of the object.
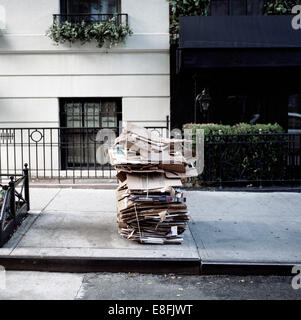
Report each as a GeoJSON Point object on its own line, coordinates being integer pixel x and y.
{"type": "Point", "coordinates": [151, 206]}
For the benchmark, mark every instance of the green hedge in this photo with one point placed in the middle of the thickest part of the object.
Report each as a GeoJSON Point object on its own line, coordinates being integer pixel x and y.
{"type": "Point", "coordinates": [241, 128]}
{"type": "Point", "coordinates": [180, 8]}
{"type": "Point", "coordinates": [240, 154]}
{"type": "Point", "coordinates": [280, 7]}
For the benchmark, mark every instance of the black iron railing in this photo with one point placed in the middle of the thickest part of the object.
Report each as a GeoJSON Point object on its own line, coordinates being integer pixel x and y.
{"type": "Point", "coordinates": [70, 153]}
{"type": "Point", "coordinates": [15, 204]}
{"type": "Point", "coordinates": [120, 18]}
{"type": "Point", "coordinates": [252, 160]}
{"type": "Point", "coordinates": [81, 153]}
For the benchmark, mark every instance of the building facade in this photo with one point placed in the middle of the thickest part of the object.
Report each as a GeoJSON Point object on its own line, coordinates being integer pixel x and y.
{"type": "Point", "coordinates": [245, 62]}
{"type": "Point", "coordinates": [43, 85]}
{"type": "Point", "coordinates": [35, 73]}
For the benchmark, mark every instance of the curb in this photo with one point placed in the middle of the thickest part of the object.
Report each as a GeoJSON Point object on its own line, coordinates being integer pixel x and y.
{"type": "Point", "coordinates": [247, 190]}
{"type": "Point", "coordinates": [141, 265]}
{"type": "Point", "coordinates": [88, 264]}
{"type": "Point", "coordinates": [247, 268]}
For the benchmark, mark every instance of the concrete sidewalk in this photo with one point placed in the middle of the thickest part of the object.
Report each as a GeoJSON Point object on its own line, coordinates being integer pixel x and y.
{"type": "Point", "coordinates": [76, 230]}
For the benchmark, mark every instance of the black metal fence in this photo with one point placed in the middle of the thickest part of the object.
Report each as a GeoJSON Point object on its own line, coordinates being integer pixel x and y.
{"type": "Point", "coordinates": [63, 153]}
{"type": "Point", "coordinates": [15, 204]}
{"type": "Point", "coordinates": [252, 160]}
{"type": "Point", "coordinates": [82, 153]}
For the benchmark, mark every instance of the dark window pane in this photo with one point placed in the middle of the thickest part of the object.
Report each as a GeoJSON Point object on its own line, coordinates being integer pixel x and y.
{"type": "Point", "coordinates": [294, 113]}
{"type": "Point", "coordinates": [91, 6]}
{"type": "Point", "coordinates": [235, 109]}
{"type": "Point", "coordinates": [109, 114]}
{"type": "Point", "coordinates": [91, 114]}
{"type": "Point", "coordinates": [219, 7]}
{"type": "Point", "coordinates": [108, 6]}
{"type": "Point", "coordinates": [80, 6]}
{"type": "Point", "coordinates": [238, 7]}
{"type": "Point", "coordinates": [73, 115]}
{"type": "Point", "coordinates": [255, 8]}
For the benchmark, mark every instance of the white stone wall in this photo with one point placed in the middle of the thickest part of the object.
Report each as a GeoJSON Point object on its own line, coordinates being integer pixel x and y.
{"type": "Point", "coordinates": [34, 72]}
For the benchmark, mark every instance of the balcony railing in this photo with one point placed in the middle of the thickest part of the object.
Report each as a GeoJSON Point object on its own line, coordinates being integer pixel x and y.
{"type": "Point", "coordinates": [121, 18]}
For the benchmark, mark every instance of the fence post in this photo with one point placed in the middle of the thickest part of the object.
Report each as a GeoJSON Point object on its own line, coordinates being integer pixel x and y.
{"type": "Point", "coordinates": [261, 168]}
{"type": "Point", "coordinates": [220, 161]}
{"type": "Point", "coordinates": [26, 186]}
{"type": "Point", "coordinates": [297, 144]}
{"type": "Point", "coordinates": [12, 204]}
{"type": "Point", "coordinates": [168, 126]}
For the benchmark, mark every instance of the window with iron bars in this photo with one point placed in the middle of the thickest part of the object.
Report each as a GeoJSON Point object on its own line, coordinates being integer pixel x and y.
{"type": "Point", "coordinates": [81, 121]}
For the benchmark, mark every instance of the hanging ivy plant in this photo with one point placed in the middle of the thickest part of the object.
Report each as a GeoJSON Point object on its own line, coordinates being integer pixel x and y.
{"type": "Point", "coordinates": [180, 8]}
{"type": "Point", "coordinates": [107, 33]}
{"type": "Point", "coordinates": [278, 7]}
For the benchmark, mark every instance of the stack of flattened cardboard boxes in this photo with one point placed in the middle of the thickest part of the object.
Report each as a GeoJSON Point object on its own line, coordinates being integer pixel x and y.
{"type": "Point", "coordinates": [151, 206]}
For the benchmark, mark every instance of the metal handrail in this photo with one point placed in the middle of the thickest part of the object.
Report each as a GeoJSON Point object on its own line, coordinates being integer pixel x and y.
{"type": "Point", "coordinates": [12, 213]}
{"type": "Point", "coordinates": [5, 203]}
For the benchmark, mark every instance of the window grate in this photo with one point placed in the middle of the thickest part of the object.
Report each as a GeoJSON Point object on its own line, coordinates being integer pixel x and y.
{"type": "Point", "coordinates": [84, 118]}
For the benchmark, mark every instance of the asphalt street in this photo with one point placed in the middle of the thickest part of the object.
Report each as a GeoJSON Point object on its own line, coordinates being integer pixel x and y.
{"type": "Point", "coordinates": [107, 286]}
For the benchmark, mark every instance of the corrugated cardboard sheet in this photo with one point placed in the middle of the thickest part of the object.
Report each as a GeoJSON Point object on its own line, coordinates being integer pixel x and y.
{"type": "Point", "coordinates": [151, 207]}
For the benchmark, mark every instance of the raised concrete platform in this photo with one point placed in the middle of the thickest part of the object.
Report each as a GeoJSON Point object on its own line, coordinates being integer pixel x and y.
{"type": "Point", "coordinates": [75, 230]}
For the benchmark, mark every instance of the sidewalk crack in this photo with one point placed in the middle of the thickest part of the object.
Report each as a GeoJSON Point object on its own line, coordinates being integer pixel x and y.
{"type": "Point", "coordinates": [51, 200]}
{"type": "Point", "coordinates": [34, 220]}
{"type": "Point", "coordinates": [79, 296]}
{"type": "Point", "coordinates": [196, 244]}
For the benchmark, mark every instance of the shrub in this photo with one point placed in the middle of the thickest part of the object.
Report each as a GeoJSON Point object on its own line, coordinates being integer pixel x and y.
{"type": "Point", "coordinates": [280, 7]}
{"type": "Point", "coordinates": [241, 153]}
{"type": "Point", "coordinates": [240, 128]}
{"type": "Point", "coordinates": [180, 8]}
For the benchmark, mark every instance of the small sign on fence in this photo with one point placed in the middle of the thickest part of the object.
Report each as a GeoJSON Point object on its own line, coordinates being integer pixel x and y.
{"type": "Point", "coordinates": [6, 136]}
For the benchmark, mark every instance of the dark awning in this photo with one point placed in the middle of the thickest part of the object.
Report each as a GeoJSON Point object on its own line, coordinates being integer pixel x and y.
{"type": "Point", "coordinates": [246, 41]}
{"type": "Point", "coordinates": [238, 32]}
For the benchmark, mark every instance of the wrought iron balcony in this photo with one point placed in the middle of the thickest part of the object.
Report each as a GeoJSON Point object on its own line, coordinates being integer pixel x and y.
{"type": "Point", "coordinates": [121, 18]}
